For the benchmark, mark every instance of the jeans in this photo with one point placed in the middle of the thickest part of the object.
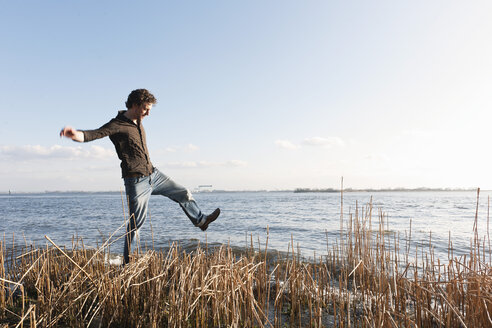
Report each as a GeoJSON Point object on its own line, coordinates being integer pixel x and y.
{"type": "Point", "coordinates": [138, 191]}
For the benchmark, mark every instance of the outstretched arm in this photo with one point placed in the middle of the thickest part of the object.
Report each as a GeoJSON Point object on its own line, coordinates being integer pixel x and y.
{"type": "Point", "coordinates": [71, 133]}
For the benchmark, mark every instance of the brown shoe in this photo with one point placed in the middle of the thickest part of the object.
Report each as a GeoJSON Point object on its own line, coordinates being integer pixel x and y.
{"type": "Point", "coordinates": [209, 219]}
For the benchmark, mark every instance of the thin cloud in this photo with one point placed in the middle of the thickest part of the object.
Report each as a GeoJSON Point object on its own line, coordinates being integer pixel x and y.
{"type": "Point", "coordinates": [329, 142]}
{"type": "Point", "coordinates": [190, 147]}
{"type": "Point", "coordinates": [181, 165]}
{"type": "Point", "coordinates": [286, 144]}
{"type": "Point", "coordinates": [377, 157]}
{"type": "Point", "coordinates": [235, 163]}
{"type": "Point", "coordinates": [186, 148]}
{"type": "Point", "coordinates": [419, 133]}
{"type": "Point", "coordinates": [205, 164]}
{"type": "Point", "coordinates": [37, 152]}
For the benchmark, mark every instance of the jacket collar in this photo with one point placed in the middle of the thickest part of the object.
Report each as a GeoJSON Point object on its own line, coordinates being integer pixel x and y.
{"type": "Point", "coordinates": [121, 116]}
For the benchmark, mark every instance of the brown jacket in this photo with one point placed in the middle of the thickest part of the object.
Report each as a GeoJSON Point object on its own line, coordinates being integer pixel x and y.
{"type": "Point", "coordinates": [130, 144]}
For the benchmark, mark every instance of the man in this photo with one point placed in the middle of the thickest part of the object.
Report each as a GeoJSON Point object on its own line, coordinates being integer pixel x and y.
{"type": "Point", "coordinates": [141, 178]}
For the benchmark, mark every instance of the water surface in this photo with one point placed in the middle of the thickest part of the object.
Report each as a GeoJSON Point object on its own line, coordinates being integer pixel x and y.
{"type": "Point", "coordinates": [312, 220]}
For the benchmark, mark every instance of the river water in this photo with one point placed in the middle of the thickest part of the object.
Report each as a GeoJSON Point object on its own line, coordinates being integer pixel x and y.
{"type": "Point", "coordinates": [311, 220]}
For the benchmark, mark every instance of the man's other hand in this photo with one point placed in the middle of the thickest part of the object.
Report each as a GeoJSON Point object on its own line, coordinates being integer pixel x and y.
{"type": "Point", "coordinates": [71, 133]}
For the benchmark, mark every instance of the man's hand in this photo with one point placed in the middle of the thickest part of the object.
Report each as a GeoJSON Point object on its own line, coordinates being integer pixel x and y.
{"type": "Point", "coordinates": [71, 133]}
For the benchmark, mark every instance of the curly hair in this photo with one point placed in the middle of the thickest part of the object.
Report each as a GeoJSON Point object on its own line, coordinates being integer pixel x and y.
{"type": "Point", "coordinates": [139, 97]}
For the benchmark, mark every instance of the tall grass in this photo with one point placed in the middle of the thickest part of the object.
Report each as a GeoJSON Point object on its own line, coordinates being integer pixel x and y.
{"type": "Point", "coordinates": [366, 280]}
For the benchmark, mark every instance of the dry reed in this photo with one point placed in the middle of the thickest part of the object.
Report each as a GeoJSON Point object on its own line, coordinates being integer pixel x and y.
{"type": "Point", "coordinates": [365, 280]}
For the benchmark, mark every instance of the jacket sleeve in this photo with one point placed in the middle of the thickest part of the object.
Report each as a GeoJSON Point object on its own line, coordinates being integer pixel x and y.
{"type": "Point", "coordinates": [104, 131]}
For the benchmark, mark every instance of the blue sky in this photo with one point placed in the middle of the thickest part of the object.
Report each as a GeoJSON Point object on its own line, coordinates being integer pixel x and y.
{"type": "Point", "coordinates": [252, 94]}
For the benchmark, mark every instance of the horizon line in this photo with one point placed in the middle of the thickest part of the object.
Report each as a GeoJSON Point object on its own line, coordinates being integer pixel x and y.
{"type": "Point", "coordinates": [298, 190]}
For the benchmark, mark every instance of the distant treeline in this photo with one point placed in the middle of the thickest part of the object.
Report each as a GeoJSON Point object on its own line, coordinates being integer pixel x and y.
{"type": "Point", "coordinates": [382, 190]}
{"type": "Point", "coordinates": [316, 190]}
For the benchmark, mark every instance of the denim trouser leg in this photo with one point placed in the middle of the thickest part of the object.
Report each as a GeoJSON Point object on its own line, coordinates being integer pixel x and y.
{"type": "Point", "coordinates": [138, 191]}
{"type": "Point", "coordinates": [165, 186]}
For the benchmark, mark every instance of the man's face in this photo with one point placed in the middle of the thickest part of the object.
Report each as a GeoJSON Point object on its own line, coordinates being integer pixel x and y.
{"type": "Point", "coordinates": [143, 110]}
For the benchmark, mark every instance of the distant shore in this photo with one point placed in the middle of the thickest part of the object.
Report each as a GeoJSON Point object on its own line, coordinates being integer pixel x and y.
{"type": "Point", "coordinates": [297, 190]}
